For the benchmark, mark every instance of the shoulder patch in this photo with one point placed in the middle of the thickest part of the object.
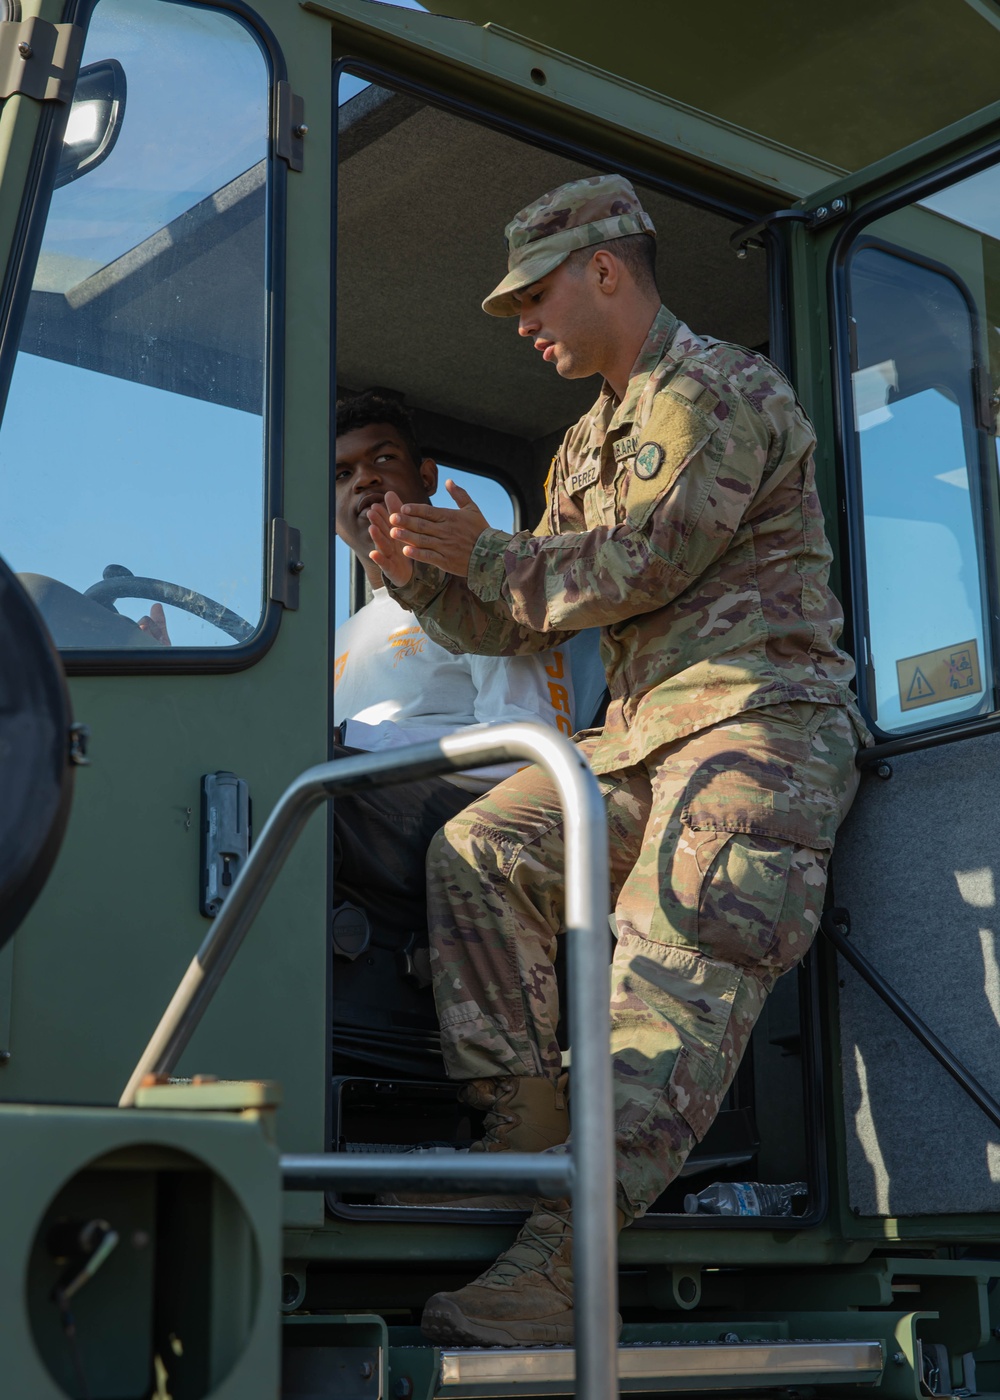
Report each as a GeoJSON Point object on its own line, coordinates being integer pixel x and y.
{"type": "Point", "coordinates": [649, 460]}
{"type": "Point", "coordinates": [675, 430]}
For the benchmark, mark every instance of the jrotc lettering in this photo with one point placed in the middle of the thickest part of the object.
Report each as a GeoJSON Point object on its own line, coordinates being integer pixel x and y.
{"type": "Point", "coordinates": [408, 643]}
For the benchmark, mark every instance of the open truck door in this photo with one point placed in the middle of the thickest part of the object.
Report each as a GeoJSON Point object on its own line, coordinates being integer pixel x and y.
{"type": "Point", "coordinates": [906, 254]}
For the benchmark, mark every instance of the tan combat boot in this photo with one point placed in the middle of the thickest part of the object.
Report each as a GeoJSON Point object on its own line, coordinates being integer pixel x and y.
{"type": "Point", "coordinates": [524, 1299]}
{"type": "Point", "coordinates": [522, 1115]}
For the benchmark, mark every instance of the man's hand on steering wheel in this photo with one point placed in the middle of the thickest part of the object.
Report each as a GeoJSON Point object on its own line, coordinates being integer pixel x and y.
{"type": "Point", "coordinates": [155, 624]}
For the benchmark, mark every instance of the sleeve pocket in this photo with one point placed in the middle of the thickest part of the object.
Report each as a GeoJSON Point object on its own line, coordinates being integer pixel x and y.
{"type": "Point", "coordinates": [675, 432]}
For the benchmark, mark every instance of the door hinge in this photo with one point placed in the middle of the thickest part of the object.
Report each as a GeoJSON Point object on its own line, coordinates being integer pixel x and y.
{"type": "Point", "coordinates": [750, 235]}
{"type": "Point", "coordinates": [286, 564]}
{"type": "Point", "coordinates": [289, 125]}
{"type": "Point", "coordinates": [39, 59]}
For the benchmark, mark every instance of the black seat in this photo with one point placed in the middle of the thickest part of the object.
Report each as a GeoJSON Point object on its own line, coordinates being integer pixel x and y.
{"type": "Point", "coordinates": [35, 767]}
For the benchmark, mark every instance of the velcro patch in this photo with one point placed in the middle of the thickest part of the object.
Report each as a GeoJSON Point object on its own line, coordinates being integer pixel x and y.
{"type": "Point", "coordinates": [675, 431]}
{"type": "Point", "coordinates": [694, 391]}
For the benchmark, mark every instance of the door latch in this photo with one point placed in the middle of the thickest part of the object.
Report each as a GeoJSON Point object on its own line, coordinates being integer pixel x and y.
{"type": "Point", "coordinates": [225, 837]}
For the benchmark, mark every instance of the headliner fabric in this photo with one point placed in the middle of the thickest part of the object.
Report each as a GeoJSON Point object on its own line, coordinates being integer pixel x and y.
{"type": "Point", "coordinates": [423, 198]}
{"type": "Point", "coordinates": [918, 866]}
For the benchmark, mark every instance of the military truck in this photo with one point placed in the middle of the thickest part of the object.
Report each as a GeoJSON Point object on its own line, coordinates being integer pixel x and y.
{"type": "Point", "coordinates": [214, 218]}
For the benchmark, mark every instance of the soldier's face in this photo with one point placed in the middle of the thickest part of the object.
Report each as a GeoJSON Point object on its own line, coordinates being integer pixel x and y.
{"type": "Point", "coordinates": [563, 314]}
{"type": "Point", "coordinates": [370, 462]}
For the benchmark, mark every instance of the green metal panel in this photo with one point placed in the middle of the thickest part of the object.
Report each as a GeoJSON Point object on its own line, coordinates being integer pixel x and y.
{"type": "Point", "coordinates": [846, 83]}
{"type": "Point", "coordinates": [125, 1166]}
{"type": "Point", "coordinates": [547, 86]}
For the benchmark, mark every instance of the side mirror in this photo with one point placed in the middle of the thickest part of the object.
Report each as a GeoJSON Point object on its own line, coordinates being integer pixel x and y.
{"type": "Point", "coordinates": [95, 119]}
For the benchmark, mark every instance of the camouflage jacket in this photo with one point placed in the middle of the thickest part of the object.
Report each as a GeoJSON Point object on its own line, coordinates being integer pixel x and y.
{"type": "Point", "coordinates": [684, 522]}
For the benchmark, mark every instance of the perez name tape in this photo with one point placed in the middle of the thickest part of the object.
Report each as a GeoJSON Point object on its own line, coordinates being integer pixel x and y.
{"type": "Point", "coordinates": [936, 676]}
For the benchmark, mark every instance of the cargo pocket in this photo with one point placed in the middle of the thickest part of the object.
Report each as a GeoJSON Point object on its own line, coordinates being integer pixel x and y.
{"type": "Point", "coordinates": [670, 1009]}
{"type": "Point", "coordinates": [766, 792]}
{"type": "Point", "coordinates": [696, 1087]}
{"type": "Point", "coordinates": [686, 1094]}
{"type": "Point", "coordinates": [763, 823]}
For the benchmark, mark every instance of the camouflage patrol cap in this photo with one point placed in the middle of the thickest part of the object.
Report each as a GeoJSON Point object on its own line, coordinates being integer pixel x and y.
{"type": "Point", "coordinates": [573, 216]}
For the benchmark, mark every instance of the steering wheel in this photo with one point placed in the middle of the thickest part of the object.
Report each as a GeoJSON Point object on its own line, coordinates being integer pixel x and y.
{"type": "Point", "coordinates": [119, 582]}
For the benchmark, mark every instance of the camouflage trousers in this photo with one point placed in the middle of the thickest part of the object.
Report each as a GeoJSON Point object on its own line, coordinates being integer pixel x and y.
{"type": "Point", "coordinates": [719, 845]}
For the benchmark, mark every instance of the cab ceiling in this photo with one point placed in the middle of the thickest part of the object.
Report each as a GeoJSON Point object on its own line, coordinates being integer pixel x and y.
{"type": "Point", "coordinates": [847, 83]}
{"type": "Point", "coordinates": [423, 199]}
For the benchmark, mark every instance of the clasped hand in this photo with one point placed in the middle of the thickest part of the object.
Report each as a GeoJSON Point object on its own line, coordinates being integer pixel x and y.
{"type": "Point", "coordinates": [428, 534]}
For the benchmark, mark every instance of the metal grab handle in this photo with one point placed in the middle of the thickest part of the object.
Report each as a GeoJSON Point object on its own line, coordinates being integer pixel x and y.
{"type": "Point", "coordinates": [534, 1173]}
{"type": "Point", "coordinates": [587, 893]}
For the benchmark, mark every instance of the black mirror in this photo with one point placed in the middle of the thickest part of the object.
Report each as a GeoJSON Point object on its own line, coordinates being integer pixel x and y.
{"type": "Point", "coordinates": [95, 119]}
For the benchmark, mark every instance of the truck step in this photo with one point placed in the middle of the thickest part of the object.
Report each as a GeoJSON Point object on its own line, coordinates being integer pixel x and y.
{"type": "Point", "coordinates": [682, 1366]}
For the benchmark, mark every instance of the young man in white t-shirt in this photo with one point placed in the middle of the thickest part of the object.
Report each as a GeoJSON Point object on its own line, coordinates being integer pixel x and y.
{"type": "Point", "coordinates": [394, 686]}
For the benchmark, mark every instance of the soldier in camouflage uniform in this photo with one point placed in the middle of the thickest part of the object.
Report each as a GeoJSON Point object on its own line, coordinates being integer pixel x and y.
{"type": "Point", "coordinates": [682, 518]}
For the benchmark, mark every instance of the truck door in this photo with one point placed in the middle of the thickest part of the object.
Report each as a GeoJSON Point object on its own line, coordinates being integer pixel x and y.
{"type": "Point", "coordinates": [906, 266]}
{"type": "Point", "coordinates": [145, 507]}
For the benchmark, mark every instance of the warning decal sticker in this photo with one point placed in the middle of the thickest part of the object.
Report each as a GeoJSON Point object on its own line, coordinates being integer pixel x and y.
{"type": "Point", "coordinates": [936, 676]}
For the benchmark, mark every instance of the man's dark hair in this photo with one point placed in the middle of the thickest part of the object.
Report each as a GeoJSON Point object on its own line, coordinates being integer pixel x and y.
{"type": "Point", "coordinates": [636, 250]}
{"type": "Point", "coordinates": [363, 410]}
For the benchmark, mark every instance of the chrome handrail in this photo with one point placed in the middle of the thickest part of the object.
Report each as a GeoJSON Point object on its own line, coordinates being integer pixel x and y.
{"type": "Point", "coordinates": [591, 1151]}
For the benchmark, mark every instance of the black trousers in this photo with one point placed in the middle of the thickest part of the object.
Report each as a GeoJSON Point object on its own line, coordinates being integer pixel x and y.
{"type": "Point", "coordinates": [383, 1012]}
{"type": "Point", "coordinates": [380, 840]}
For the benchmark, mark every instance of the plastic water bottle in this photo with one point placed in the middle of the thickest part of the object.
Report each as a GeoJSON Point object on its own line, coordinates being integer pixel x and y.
{"type": "Point", "coordinates": [745, 1198]}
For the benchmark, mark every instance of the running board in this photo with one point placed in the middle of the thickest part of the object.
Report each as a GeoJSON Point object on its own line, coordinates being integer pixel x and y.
{"type": "Point", "coordinates": [684, 1366]}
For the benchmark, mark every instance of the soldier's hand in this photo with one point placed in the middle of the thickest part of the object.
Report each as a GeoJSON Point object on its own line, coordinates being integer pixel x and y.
{"type": "Point", "coordinates": [388, 553]}
{"type": "Point", "coordinates": [436, 535]}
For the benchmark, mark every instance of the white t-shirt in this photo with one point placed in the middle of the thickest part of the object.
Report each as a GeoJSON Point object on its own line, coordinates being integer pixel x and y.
{"type": "Point", "coordinates": [394, 686]}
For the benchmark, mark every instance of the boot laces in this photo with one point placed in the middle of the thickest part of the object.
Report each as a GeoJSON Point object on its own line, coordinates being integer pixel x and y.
{"type": "Point", "coordinates": [532, 1251]}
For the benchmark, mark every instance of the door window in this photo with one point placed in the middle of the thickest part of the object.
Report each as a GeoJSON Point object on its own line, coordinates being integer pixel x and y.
{"type": "Point", "coordinates": [132, 447]}
{"type": "Point", "coordinates": [924, 466]}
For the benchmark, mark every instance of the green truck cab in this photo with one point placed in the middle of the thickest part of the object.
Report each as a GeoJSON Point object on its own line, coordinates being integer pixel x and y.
{"type": "Point", "coordinates": [213, 219]}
